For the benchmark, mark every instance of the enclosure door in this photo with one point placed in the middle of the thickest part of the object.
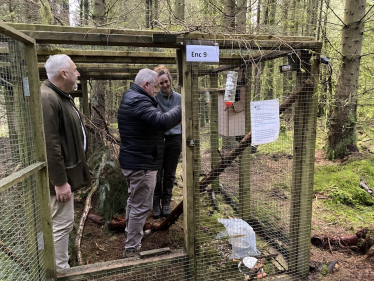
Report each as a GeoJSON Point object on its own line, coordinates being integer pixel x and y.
{"type": "Point", "coordinates": [23, 181]}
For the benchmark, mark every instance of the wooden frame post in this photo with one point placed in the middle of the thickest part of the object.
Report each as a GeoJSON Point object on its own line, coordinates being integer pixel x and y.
{"type": "Point", "coordinates": [41, 155]}
{"type": "Point", "coordinates": [245, 158]}
{"type": "Point", "coordinates": [188, 148]}
{"type": "Point", "coordinates": [87, 113]}
{"type": "Point", "coordinates": [303, 172]}
{"type": "Point", "coordinates": [214, 136]}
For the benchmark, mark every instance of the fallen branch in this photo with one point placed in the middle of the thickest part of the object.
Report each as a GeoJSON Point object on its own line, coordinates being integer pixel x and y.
{"type": "Point", "coordinates": [87, 208]}
{"type": "Point", "coordinates": [326, 242]}
{"type": "Point", "coordinates": [96, 219]}
{"type": "Point", "coordinates": [117, 224]}
{"type": "Point", "coordinates": [170, 220]}
{"type": "Point", "coordinates": [227, 160]}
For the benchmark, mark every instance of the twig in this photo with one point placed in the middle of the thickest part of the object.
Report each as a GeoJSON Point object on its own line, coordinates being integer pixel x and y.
{"type": "Point", "coordinates": [328, 241]}
{"type": "Point", "coordinates": [213, 198]}
{"type": "Point", "coordinates": [102, 119]}
{"type": "Point", "coordinates": [97, 245]}
{"type": "Point", "coordinates": [328, 6]}
{"type": "Point", "coordinates": [6, 82]}
{"type": "Point", "coordinates": [366, 13]}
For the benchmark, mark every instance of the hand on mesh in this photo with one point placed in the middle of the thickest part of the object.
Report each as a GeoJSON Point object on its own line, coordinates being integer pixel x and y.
{"type": "Point", "coordinates": [63, 192]}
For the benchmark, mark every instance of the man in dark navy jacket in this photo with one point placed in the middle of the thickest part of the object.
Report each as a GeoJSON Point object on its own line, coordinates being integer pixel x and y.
{"type": "Point", "coordinates": [141, 126]}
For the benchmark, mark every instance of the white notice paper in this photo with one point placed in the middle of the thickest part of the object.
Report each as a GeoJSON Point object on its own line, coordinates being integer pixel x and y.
{"type": "Point", "coordinates": [264, 121]}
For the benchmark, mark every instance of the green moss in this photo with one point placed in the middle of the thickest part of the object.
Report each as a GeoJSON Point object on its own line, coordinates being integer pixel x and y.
{"type": "Point", "coordinates": [113, 125]}
{"type": "Point", "coordinates": [324, 270]}
{"type": "Point", "coordinates": [341, 182]}
{"type": "Point", "coordinates": [347, 205]}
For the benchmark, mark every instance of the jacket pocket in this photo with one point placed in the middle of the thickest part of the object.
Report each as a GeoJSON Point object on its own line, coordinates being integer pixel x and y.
{"type": "Point", "coordinates": [75, 175]}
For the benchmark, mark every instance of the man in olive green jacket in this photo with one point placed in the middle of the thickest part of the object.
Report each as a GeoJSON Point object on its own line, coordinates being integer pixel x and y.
{"type": "Point", "coordinates": [66, 143]}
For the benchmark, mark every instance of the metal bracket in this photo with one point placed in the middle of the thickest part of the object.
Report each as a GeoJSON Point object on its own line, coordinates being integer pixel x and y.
{"type": "Point", "coordinates": [190, 143]}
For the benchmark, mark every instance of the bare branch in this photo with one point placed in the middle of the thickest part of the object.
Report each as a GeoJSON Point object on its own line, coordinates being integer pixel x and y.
{"type": "Point", "coordinates": [367, 54]}
{"type": "Point", "coordinates": [366, 13]}
{"type": "Point", "coordinates": [328, 6]}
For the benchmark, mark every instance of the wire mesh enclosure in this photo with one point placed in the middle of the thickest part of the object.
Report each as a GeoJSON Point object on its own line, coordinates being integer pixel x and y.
{"type": "Point", "coordinates": [246, 208]}
{"type": "Point", "coordinates": [21, 235]}
{"type": "Point", "coordinates": [258, 202]}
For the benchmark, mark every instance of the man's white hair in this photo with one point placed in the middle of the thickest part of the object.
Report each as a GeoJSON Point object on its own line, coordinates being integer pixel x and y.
{"type": "Point", "coordinates": [145, 75]}
{"type": "Point", "coordinates": [55, 64]}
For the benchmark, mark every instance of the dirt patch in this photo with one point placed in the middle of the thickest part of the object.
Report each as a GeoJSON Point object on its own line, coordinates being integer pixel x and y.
{"type": "Point", "coordinates": [99, 245]}
{"type": "Point", "coordinates": [351, 266]}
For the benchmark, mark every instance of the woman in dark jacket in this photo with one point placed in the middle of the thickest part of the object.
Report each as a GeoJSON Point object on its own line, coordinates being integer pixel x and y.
{"type": "Point", "coordinates": [167, 99]}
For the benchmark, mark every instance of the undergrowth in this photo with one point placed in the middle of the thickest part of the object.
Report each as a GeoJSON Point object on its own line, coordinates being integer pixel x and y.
{"type": "Point", "coordinates": [346, 202]}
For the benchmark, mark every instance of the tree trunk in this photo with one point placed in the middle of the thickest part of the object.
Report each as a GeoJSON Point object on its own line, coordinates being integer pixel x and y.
{"type": "Point", "coordinates": [343, 119]}
{"type": "Point", "coordinates": [285, 16]}
{"type": "Point", "coordinates": [229, 16]}
{"type": "Point", "coordinates": [294, 21]}
{"type": "Point", "coordinates": [312, 14]}
{"type": "Point", "coordinates": [84, 11]}
{"type": "Point", "coordinates": [155, 11]}
{"type": "Point", "coordinates": [148, 13]}
{"type": "Point", "coordinates": [179, 9]}
{"type": "Point", "coordinates": [241, 16]}
{"type": "Point", "coordinates": [319, 22]}
{"type": "Point", "coordinates": [258, 20]}
{"type": "Point", "coordinates": [98, 12]}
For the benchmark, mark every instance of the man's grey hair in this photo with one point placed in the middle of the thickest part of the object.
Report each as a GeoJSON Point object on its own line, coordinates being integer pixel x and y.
{"type": "Point", "coordinates": [55, 64]}
{"type": "Point", "coordinates": [145, 75]}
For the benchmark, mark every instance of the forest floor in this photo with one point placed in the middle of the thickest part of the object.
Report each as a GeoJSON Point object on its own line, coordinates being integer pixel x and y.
{"type": "Point", "coordinates": [99, 245]}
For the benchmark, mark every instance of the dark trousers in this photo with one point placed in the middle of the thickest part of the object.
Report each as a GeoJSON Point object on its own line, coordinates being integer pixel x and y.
{"type": "Point", "coordinates": [168, 167]}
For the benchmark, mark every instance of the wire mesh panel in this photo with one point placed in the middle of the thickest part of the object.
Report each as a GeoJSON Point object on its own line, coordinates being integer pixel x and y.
{"type": "Point", "coordinates": [253, 219]}
{"type": "Point", "coordinates": [176, 267]}
{"type": "Point", "coordinates": [21, 237]}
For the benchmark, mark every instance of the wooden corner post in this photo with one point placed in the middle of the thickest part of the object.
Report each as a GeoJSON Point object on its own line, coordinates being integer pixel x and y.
{"type": "Point", "coordinates": [213, 125]}
{"type": "Point", "coordinates": [245, 158]}
{"type": "Point", "coordinates": [303, 170]}
{"type": "Point", "coordinates": [41, 155]}
{"type": "Point", "coordinates": [86, 112]}
{"type": "Point", "coordinates": [189, 145]}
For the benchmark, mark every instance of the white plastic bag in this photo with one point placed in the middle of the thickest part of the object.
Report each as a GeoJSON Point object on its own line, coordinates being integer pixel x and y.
{"type": "Point", "coordinates": [241, 237]}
